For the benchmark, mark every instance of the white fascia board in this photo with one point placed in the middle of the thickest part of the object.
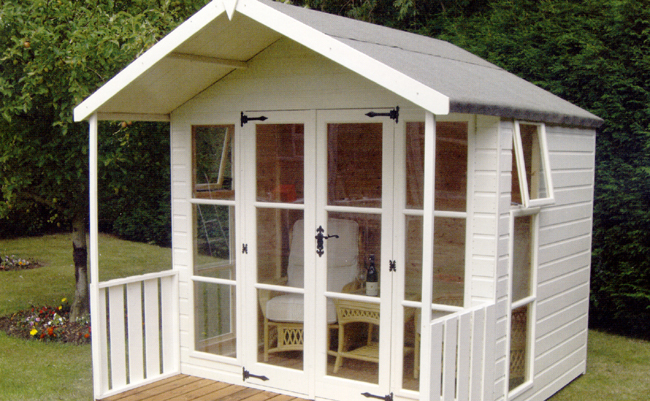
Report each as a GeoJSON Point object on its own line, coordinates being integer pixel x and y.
{"type": "Point", "coordinates": [157, 52]}
{"type": "Point", "coordinates": [364, 65]}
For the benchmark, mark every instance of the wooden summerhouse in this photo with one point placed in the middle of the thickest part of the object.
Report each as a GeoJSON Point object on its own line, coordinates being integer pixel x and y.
{"type": "Point", "coordinates": [306, 147]}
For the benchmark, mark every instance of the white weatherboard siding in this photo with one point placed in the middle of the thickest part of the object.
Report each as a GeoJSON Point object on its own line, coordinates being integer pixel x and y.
{"type": "Point", "coordinates": [564, 264]}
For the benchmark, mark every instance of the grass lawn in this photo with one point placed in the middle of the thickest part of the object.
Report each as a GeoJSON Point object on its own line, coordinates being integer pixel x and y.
{"type": "Point", "coordinates": [618, 368]}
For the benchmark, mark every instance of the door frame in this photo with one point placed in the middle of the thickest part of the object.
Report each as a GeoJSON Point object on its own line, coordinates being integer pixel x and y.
{"type": "Point", "coordinates": [330, 386]}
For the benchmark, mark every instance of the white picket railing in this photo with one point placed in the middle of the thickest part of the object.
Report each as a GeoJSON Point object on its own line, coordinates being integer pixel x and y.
{"type": "Point", "coordinates": [136, 334]}
{"type": "Point", "coordinates": [462, 355]}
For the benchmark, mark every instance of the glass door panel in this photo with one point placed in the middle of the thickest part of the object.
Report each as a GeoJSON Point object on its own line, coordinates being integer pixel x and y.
{"type": "Point", "coordinates": [358, 245]}
{"type": "Point", "coordinates": [280, 163]}
{"type": "Point", "coordinates": [280, 244]}
{"type": "Point", "coordinates": [354, 164]}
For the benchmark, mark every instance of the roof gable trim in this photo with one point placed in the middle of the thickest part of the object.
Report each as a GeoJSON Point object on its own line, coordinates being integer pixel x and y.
{"type": "Point", "coordinates": [346, 56]}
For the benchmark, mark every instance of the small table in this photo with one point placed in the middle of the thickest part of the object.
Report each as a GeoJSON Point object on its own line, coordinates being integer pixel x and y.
{"type": "Point", "coordinates": [356, 311]}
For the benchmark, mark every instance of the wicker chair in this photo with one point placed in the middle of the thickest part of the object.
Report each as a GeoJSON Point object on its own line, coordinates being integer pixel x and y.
{"type": "Point", "coordinates": [284, 313]}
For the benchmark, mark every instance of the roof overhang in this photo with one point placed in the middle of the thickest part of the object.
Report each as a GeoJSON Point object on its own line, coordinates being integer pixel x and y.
{"type": "Point", "coordinates": [223, 36]}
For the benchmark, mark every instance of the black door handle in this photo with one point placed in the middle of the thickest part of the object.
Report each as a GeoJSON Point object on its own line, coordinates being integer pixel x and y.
{"type": "Point", "coordinates": [320, 240]}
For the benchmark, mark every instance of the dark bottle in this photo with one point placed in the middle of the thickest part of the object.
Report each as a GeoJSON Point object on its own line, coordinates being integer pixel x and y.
{"type": "Point", "coordinates": [372, 278]}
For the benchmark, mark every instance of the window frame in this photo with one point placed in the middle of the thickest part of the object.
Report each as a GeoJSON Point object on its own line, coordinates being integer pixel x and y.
{"type": "Point", "coordinates": [529, 300]}
{"type": "Point", "coordinates": [518, 151]}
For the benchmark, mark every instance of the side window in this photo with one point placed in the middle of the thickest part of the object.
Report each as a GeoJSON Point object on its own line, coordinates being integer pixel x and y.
{"type": "Point", "coordinates": [522, 301]}
{"type": "Point", "coordinates": [531, 173]}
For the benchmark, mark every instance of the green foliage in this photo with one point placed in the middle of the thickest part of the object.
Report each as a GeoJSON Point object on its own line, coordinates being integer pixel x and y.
{"type": "Point", "coordinates": [54, 53]}
{"type": "Point", "coordinates": [134, 186]}
{"type": "Point", "coordinates": [594, 54]}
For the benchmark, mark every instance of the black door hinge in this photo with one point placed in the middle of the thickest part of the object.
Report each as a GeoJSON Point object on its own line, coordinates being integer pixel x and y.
{"type": "Point", "coordinates": [387, 397]}
{"type": "Point", "coordinates": [244, 248]}
{"type": "Point", "coordinates": [244, 119]}
{"type": "Point", "coordinates": [392, 266]}
{"type": "Point", "coordinates": [393, 114]}
{"type": "Point", "coordinates": [247, 375]}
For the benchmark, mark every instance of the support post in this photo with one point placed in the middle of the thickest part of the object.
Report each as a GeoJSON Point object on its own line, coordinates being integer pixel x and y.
{"type": "Point", "coordinates": [99, 387]}
{"type": "Point", "coordinates": [427, 254]}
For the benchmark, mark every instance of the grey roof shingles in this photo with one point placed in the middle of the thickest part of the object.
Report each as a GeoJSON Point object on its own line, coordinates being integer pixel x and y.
{"type": "Point", "coordinates": [472, 84]}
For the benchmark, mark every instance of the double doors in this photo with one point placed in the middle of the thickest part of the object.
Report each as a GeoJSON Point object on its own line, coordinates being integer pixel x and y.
{"type": "Point", "coordinates": [319, 210]}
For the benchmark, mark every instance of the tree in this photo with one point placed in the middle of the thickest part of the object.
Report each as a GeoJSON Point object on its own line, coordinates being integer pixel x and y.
{"type": "Point", "coordinates": [54, 53]}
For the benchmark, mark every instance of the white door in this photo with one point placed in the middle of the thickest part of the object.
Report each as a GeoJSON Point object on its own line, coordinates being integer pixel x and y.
{"type": "Point", "coordinates": [354, 202]}
{"type": "Point", "coordinates": [319, 209]}
{"type": "Point", "coordinates": [278, 251]}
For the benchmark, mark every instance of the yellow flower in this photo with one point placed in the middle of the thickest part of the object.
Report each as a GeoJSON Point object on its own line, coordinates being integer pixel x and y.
{"type": "Point", "coordinates": [60, 307]}
{"type": "Point", "coordinates": [33, 332]}
{"type": "Point", "coordinates": [64, 300]}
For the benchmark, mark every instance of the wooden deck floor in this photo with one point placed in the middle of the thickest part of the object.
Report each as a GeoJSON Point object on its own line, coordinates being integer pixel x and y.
{"type": "Point", "coordinates": [190, 388]}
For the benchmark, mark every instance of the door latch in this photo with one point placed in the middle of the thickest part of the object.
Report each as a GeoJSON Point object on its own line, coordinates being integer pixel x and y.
{"type": "Point", "coordinates": [319, 240]}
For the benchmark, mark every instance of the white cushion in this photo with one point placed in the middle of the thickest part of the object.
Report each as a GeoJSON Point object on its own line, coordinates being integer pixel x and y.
{"type": "Point", "coordinates": [290, 308]}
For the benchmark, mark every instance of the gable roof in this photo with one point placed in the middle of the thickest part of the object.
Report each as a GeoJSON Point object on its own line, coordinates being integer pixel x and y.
{"type": "Point", "coordinates": [226, 34]}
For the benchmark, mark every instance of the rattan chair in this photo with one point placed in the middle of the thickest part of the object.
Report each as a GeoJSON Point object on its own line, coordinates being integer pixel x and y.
{"type": "Point", "coordinates": [284, 313]}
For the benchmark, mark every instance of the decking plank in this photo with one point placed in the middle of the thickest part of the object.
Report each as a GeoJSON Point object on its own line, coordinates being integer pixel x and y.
{"type": "Point", "coordinates": [210, 391]}
{"type": "Point", "coordinates": [168, 383]}
{"type": "Point", "coordinates": [191, 388]}
{"type": "Point", "coordinates": [179, 391]}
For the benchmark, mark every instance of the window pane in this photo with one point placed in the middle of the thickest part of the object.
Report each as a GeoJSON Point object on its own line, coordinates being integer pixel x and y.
{"type": "Point", "coordinates": [214, 318]}
{"type": "Point", "coordinates": [518, 346]}
{"type": "Point", "coordinates": [280, 163]}
{"type": "Point", "coordinates": [354, 164]}
{"type": "Point", "coordinates": [213, 175]}
{"type": "Point", "coordinates": [413, 259]}
{"type": "Point", "coordinates": [214, 241]}
{"type": "Point", "coordinates": [280, 247]}
{"type": "Point", "coordinates": [535, 173]}
{"type": "Point", "coordinates": [449, 261]}
{"type": "Point", "coordinates": [451, 166]}
{"type": "Point", "coordinates": [414, 165]}
{"type": "Point", "coordinates": [411, 349]}
{"type": "Point", "coordinates": [521, 258]}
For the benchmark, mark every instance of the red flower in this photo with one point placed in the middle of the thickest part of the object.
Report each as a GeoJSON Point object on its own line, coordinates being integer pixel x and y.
{"type": "Point", "coordinates": [86, 335]}
{"type": "Point", "coordinates": [50, 331]}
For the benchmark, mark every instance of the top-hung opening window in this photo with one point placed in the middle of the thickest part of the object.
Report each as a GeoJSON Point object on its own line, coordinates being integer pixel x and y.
{"type": "Point", "coordinates": [531, 173]}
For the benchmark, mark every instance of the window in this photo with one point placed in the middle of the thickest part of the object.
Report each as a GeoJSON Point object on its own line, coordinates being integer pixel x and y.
{"type": "Point", "coordinates": [522, 292]}
{"type": "Point", "coordinates": [531, 176]}
{"type": "Point", "coordinates": [212, 148]}
{"type": "Point", "coordinates": [214, 258]}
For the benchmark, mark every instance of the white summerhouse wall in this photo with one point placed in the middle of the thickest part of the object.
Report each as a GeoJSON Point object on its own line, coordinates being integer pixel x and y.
{"type": "Point", "coordinates": [564, 263]}
{"type": "Point", "coordinates": [564, 257]}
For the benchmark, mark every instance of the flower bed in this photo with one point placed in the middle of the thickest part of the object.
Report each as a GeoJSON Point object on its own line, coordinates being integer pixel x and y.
{"type": "Point", "coordinates": [8, 263]}
{"type": "Point", "coordinates": [47, 323]}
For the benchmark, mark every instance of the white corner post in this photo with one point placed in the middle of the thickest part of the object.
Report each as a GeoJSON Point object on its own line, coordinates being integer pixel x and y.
{"type": "Point", "coordinates": [427, 258]}
{"type": "Point", "coordinates": [94, 258]}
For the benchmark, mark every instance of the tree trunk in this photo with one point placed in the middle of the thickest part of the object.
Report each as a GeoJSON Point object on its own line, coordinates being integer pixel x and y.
{"type": "Point", "coordinates": [81, 304]}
